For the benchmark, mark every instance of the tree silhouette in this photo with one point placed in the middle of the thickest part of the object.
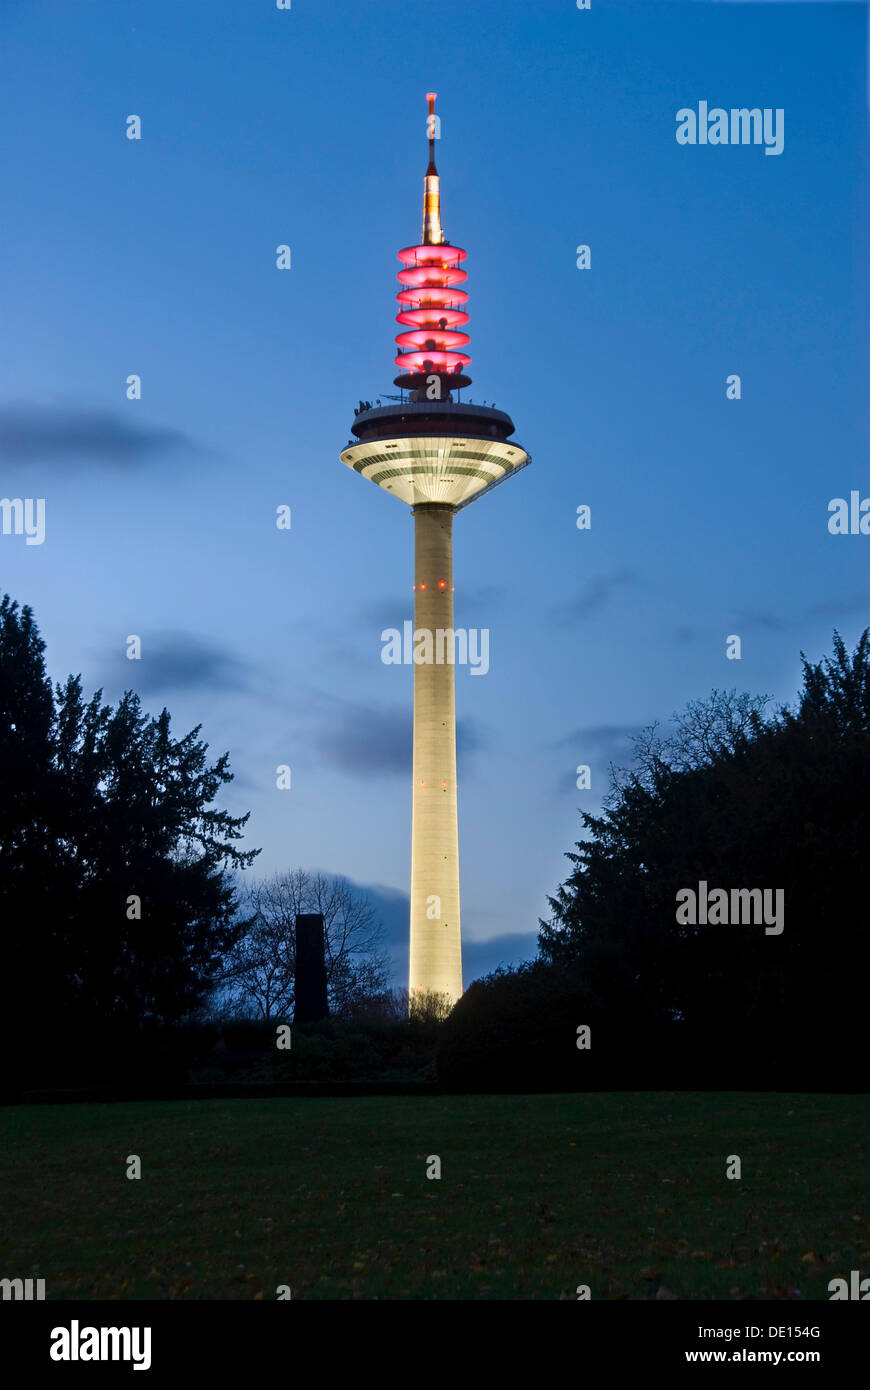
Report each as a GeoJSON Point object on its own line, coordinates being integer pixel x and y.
{"type": "Point", "coordinates": [116, 868]}
{"type": "Point", "coordinates": [738, 800]}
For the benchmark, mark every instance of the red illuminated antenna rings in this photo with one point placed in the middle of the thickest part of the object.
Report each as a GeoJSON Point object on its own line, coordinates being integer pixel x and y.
{"type": "Point", "coordinates": [420, 297]}
{"type": "Point", "coordinates": [434, 338]}
{"type": "Point", "coordinates": [435, 316]}
{"type": "Point", "coordinates": [429, 306]}
{"type": "Point", "coordinates": [431, 255]}
{"type": "Point", "coordinates": [432, 276]}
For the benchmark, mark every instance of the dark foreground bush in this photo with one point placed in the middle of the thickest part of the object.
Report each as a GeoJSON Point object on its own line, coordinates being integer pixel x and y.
{"type": "Point", "coordinates": [353, 1050]}
{"type": "Point", "coordinates": [399, 1050]}
{"type": "Point", "coordinates": [517, 1031]}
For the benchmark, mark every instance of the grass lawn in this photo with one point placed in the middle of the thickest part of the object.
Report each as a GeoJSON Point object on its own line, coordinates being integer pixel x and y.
{"type": "Point", "coordinates": [625, 1192]}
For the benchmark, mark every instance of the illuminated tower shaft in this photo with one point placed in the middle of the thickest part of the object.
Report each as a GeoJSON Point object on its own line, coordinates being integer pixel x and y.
{"type": "Point", "coordinates": [436, 959]}
{"type": "Point", "coordinates": [436, 454]}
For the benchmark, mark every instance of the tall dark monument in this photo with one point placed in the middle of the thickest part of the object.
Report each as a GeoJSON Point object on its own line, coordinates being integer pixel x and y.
{"type": "Point", "coordinates": [311, 999]}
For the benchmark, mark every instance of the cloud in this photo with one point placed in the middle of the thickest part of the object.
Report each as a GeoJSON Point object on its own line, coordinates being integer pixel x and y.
{"type": "Point", "coordinates": [594, 596]}
{"type": "Point", "coordinates": [854, 603]}
{"type": "Point", "coordinates": [181, 661]}
{"type": "Point", "coordinates": [367, 741]}
{"type": "Point", "coordinates": [768, 621]}
{"type": "Point", "coordinates": [470, 739]}
{"type": "Point", "coordinates": [393, 910]}
{"type": "Point", "coordinates": [375, 741]}
{"type": "Point", "coordinates": [603, 742]}
{"type": "Point", "coordinates": [599, 745]}
{"type": "Point", "coordinates": [833, 607]}
{"type": "Point", "coordinates": [31, 433]}
{"type": "Point", "coordinates": [486, 598]}
{"type": "Point", "coordinates": [480, 957]}
{"type": "Point", "coordinates": [381, 613]}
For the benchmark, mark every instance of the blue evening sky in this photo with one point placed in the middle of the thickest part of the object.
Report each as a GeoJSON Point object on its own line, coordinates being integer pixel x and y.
{"type": "Point", "coordinates": [307, 127]}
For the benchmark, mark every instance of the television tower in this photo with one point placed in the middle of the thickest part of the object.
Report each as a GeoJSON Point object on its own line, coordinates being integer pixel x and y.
{"type": "Point", "coordinates": [436, 454]}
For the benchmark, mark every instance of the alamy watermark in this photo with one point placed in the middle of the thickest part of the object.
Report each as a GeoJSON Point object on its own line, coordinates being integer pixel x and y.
{"type": "Point", "coordinates": [22, 1289]}
{"type": "Point", "coordinates": [445, 646]}
{"type": "Point", "coordinates": [741, 907]}
{"type": "Point", "coordinates": [24, 516]}
{"type": "Point", "coordinates": [857, 1288]}
{"type": "Point", "coordinates": [75, 1343]}
{"type": "Point", "coordinates": [850, 518]}
{"type": "Point", "coordinates": [742, 125]}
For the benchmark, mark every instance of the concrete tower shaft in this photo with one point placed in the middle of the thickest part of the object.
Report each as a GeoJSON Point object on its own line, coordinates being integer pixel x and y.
{"type": "Point", "coordinates": [435, 961]}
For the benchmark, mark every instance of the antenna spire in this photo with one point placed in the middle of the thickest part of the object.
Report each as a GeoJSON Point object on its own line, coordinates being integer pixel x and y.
{"type": "Point", "coordinates": [430, 304]}
{"type": "Point", "coordinates": [432, 232]}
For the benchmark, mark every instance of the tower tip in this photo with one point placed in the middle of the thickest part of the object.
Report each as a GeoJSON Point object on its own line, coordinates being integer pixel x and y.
{"type": "Point", "coordinates": [432, 232]}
